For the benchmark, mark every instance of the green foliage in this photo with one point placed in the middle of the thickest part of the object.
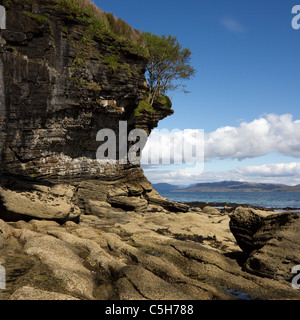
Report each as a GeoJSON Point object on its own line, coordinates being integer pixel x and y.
{"type": "Point", "coordinates": [168, 66]}
{"type": "Point", "coordinates": [85, 84]}
{"type": "Point", "coordinates": [78, 62]}
{"type": "Point", "coordinates": [101, 25]}
{"type": "Point", "coordinates": [164, 100]}
{"type": "Point", "coordinates": [77, 10]}
{"type": "Point", "coordinates": [97, 29]}
{"type": "Point", "coordinates": [41, 20]}
{"type": "Point", "coordinates": [113, 62]}
{"type": "Point", "coordinates": [120, 27]}
{"type": "Point", "coordinates": [64, 29]}
{"type": "Point", "coordinates": [144, 107]}
{"type": "Point", "coordinates": [8, 3]}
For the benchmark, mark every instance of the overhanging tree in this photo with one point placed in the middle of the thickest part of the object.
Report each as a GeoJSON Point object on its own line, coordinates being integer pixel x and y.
{"type": "Point", "coordinates": [168, 65]}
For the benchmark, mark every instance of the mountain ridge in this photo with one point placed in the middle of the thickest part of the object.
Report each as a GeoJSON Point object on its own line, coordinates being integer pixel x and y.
{"type": "Point", "coordinates": [229, 186]}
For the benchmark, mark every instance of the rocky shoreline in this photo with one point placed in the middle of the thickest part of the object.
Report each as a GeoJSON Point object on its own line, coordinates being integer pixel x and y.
{"type": "Point", "coordinates": [72, 229]}
{"type": "Point", "coordinates": [230, 206]}
{"type": "Point", "coordinates": [147, 253]}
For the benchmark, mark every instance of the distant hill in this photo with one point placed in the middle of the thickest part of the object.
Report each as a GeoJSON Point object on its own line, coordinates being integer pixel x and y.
{"type": "Point", "coordinates": [230, 186]}
{"type": "Point", "coordinates": [165, 187]}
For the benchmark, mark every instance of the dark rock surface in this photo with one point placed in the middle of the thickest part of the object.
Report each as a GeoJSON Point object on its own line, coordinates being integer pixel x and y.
{"type": "Point", "coordinates": [57, 92]}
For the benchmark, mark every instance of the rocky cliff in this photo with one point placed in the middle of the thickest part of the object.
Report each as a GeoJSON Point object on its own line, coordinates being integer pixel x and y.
{"type": "Point", "coordinates": [68, 70]}
{"type": "Point", "coordinates": [63, 77]}
{"type": "Point", "coordinates": [72, 229]}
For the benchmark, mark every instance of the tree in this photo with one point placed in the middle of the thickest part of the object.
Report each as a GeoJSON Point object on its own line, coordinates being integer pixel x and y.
{"type": "Point", "coordinates": [168, 65]}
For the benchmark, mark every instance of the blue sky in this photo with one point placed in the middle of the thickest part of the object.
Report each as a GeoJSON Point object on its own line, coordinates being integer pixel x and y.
{"type": "Point", "coordinates": [247, 58]}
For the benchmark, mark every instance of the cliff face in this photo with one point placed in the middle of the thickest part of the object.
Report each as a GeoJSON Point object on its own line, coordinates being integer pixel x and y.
{"type": "Point", "coordinates": [68, 70]}
{"type": "Point", "coordinates": [62, 79]}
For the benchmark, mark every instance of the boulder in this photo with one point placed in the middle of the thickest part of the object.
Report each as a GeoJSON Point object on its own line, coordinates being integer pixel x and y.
{"type": "Point", "coordinates": [98, 208]}
{"type": "Point", "coordinates": [270, 241]}
{"type": "Point", "coordinates": [210, 210]}
{"type": "Point", "coordinates": [244, 223]}
{"type": "Point", "coordinates": [128, 203]}
{"type": "Point", "coordinates": [154, 198]}
{"type": "Point", "coordinates": [34, 204]}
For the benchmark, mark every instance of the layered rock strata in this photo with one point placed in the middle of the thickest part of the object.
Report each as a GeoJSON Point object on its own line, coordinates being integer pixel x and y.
{"type": "Point", "coordinates": [71, 229]}
{"type": "Point", "coordinates": [62, 79]}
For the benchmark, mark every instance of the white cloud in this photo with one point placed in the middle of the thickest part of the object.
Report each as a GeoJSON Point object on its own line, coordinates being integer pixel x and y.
{"type": "Point", "coordinates": [174, 147]}
{"type": "Point", "coordinates": [272, 170]}
{"type": "Point", "coordinates": [269, 134]}
{"type": "Point", "coordinates": [285, 173]}
{"type": "Point", "coordinates": [232, 25]}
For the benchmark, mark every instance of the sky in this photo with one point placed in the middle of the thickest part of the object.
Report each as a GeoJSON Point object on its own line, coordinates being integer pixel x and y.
{"type": "Point", "coordinates": [245, 95]}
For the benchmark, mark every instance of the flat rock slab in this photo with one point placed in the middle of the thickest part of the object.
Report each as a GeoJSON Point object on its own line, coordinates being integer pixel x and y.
{"type": "Point", "coordinates": [128, 203]}
{"type": "Point", "coordinates": [154, 198]}
{"type": "Point", "coordinates": [37, 204]}
{"type": "Point", "coordinates": [144, 256]}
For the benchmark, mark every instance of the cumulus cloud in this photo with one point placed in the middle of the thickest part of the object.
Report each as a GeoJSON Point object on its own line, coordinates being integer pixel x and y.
{"type": "Point", "coordinates": [268, 134]}
{"type": "Point", "coordinates": [232, 25]}
{"type": "Point", "coordinates": [285, 173]}
{"type": "Point", "coordinates": [271, 170]}
{"type": "Point", "coordinates": [182, 177]}
{"type": "Point", "coordinates": [174, 147]}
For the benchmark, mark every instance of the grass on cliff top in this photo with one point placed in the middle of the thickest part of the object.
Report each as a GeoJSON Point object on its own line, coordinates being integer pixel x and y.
{"type": "Point", "coordinates": [145, 107]}
{"type": "Point", "coordinates": [100, 25]}
{"type": "Point", "coordinates": [164, 100]}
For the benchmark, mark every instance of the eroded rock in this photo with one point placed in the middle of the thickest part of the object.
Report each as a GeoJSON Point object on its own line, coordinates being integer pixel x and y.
{"type": "Point", "coordinates": [271, 241]}
{"type": "Point", "coordinates": [147, 255]}
{"type": "Point", "coordinates": [27, 205]}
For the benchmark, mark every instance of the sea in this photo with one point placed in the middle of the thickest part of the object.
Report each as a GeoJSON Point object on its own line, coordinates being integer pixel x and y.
{"type": "Point", "coordinates": [274, 200]}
